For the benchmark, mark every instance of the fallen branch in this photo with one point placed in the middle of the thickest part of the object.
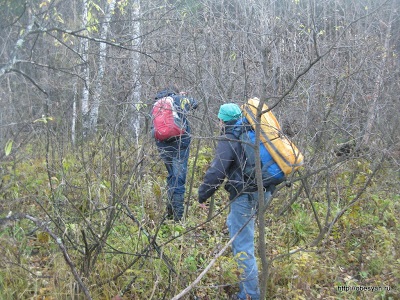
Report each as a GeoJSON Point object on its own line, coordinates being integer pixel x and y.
{"type": "Point", "coordinates": [212, 262]}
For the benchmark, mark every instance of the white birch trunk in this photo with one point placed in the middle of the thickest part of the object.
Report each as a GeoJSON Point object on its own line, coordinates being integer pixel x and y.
{"type": "Point", "coordinates": [94, 111]}
{"type": "Point", "coordinates": [85, 71]}
{"type": "Point", "coordinates": [18, 45]}
{"type": "Point", "coordinates": [74, 115]}
{"type": "Point", "coordinates": [135, 58]}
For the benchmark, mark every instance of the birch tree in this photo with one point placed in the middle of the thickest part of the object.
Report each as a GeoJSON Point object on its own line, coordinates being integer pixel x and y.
{"type": "Point", "coordinates": [136, 102]}
{"type": "Point", "coordinates": [85, 71]}
{"type": "Point", "coordinates": [97, 93]}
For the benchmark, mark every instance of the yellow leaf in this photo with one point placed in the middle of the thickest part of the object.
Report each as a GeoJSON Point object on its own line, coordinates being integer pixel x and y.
{"type": "Point", "coordinates": [44, 3]}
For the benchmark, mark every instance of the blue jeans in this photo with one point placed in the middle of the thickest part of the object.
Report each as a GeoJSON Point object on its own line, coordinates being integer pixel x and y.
{"type": "Point", "coordinates": [175, 159]}
{"type": "Point", "coordinates": [243, 208]}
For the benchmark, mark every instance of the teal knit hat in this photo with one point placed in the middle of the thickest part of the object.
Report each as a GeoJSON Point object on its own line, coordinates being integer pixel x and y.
{"type": "Point", "coordinates": [229, 111]}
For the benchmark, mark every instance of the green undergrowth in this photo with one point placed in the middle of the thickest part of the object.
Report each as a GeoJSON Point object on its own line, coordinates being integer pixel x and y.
{"type": "Point", "coordinates": [147, 257]}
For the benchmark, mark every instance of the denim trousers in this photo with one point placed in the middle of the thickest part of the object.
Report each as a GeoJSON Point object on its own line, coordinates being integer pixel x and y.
{"type": "Point", "coordinates": [175, 159]}
{"type": "Point", "coordinates": [243, 208]}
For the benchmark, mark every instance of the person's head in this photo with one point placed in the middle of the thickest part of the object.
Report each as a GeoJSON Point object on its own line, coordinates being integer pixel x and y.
{"type": "Point", "coordinates": [229, 112]}
{"type": "Point", "coordinates": [167, 91]}
{"type": "Point", "coordinates": [172, 89]}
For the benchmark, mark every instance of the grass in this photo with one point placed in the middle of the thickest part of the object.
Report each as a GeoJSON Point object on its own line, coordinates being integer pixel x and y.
{"type": "Point", "coordinates": [361, 250]}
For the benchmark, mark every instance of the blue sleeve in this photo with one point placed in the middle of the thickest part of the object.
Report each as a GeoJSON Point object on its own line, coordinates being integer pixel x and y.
{"type": "Point", "coordinates": [185, 104]}
{"type": "Point", "coordinates": [193, 103]}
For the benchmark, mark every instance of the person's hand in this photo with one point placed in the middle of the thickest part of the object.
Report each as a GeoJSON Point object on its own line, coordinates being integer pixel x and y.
{"type": "Point", "coordinates": [203, 206]}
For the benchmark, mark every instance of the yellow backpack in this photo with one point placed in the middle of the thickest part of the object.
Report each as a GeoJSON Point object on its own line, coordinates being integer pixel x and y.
{"type": "Point", "coordinates": [282, 150]}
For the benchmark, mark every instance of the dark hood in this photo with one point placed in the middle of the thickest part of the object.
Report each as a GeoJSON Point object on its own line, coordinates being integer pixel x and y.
{"type": "Point", "coordinates": [237, 127]}
{"type": "Point", "coordinates": [165, 93]}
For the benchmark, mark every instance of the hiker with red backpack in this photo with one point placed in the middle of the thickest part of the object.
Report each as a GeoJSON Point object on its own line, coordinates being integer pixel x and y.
{"type": "Point", "coordinates": [171, 131]}
{"type": "Point", "coordinates": [229, 162]}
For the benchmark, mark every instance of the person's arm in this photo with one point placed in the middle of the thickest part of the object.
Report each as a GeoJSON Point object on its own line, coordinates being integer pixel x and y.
{"type": "Point", "coordinates": [193, 103]}
{"type": "Point", "coordinates": [186, 103]}
{"type": "Point", "coordinates": [217, 171]}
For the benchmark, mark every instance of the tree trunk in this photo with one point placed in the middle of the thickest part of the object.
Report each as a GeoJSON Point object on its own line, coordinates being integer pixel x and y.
{"type": "Point", "coordinates": [375, 96]}
{"type": "Point", "coordinates": [85, 70]}
{"type": "Point", "coordinates": [135, 58]}
{"type": "Point", "coordinates": [94, 111]}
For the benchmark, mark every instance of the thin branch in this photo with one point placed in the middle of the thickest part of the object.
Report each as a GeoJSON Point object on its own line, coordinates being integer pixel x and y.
{"type": "Point", "coordinates": [319, 57]}
{"type": "Point", "coordinates": [61, 246]}
{"type": "Point", "coordinates": [357, 198]}
{"type": "Point", "coordinates": [305, 185]}
{"type": "Point", "coordinates": [151, 240]}
{"type": "Point", "coordinates": [212, 262]}
{"type": "Point", "coordinates": [30, 79]}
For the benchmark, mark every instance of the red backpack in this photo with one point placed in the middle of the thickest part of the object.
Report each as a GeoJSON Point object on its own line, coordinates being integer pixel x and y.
{"type": "Point", "coordinates": [166, 121]}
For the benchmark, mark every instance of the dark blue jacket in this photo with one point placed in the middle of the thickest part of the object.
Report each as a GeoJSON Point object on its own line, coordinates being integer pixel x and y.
{"type": "Point", "coordinates": [227, 163]}
{"type": "Point", "coordinates": [183, 105]}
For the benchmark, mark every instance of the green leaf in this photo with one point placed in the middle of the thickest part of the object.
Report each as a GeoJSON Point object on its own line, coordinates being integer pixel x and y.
{"type": "Point", "coordinates": [44, 119]}
{"type": "Point", "coordinates": [8, 147]}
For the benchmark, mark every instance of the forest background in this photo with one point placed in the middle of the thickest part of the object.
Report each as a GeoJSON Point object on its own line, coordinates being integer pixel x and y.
{"type": "Point", "coordinates": [82, 188]}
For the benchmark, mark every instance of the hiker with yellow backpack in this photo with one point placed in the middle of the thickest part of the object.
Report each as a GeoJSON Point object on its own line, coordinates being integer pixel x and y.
{"type": "Point", "coordinates": [234, 159]}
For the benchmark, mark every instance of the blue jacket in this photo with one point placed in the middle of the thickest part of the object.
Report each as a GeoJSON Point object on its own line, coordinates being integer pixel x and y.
{"type": "Point", "coordinates": [183, 105]}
